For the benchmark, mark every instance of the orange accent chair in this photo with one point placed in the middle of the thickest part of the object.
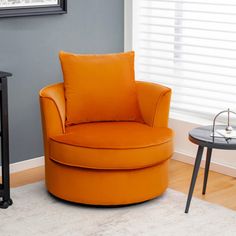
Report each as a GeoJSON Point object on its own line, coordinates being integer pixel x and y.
{"type": "Point", "coordinates": [107, 163]}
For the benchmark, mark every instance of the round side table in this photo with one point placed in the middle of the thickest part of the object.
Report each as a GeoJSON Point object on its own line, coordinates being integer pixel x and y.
{"type": "Point", "coordinates": [202, 136]}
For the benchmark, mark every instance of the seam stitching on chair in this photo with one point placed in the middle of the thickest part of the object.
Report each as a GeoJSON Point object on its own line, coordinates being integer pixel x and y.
{"type": "Point", "coordinates": [63, 128]}
{"type": "Point", "coordinates": [112, 148]}
{"type": "Point", "coordinates": [157, 103]}
{"type": "Point", "coordinates": [108, 169]}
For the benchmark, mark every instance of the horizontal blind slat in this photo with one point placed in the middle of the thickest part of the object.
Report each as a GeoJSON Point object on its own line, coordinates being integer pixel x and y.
{"type": "Point", "coordinates": [189, 70]}
{"type": "Point", "coordinates": [176, 60]}
{"type": "Point", "coordinates": [187, 53]}
{"type": "Point", "coordinates": [187, 19]}
{"type": "Point", "coordinates": [190, 28]}
{"type": "Point", "coordinates": [157, 74]}
{"type": "Point", "coordinates": [191, 11]}
{"type": "Point", "coordinates": [186, 36]}
{"type": "Point", "coordinates": [193, 2]}
{"type": "Point", "coordinates": [189, 44]}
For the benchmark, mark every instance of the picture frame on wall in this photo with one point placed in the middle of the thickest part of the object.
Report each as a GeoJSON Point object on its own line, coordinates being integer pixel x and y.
{"type": "Point", "coordinates": [12, 8]}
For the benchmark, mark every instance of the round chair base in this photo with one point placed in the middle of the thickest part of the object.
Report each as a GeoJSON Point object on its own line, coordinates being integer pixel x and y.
{"type": "Point", "coordinates": [106, 187]}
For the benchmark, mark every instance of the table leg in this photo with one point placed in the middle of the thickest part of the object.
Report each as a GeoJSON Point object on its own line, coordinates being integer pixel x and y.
{"type": "Point", "coordinates": [6, 201]}
{"type": "Point", "coordinates": [194, 176]}
{"type": "Point", "coordinates": [207, 166]}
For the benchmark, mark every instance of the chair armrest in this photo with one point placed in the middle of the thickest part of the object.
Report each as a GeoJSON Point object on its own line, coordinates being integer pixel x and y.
{"type": "Point", "coordinates": [52, 102]}
{"type": "Point", "coordinates": [154, 102]}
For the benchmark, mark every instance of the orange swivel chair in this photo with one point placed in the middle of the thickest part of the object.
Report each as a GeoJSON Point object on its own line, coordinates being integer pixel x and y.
{"type": "Point", "coordinates": [107, 163]}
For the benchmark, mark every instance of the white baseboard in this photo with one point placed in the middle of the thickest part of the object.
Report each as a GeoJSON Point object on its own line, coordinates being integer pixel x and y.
{"type": "Point", "coordinates": [220, 168]}
{"type": "Point", "coordinates": [25, 165]}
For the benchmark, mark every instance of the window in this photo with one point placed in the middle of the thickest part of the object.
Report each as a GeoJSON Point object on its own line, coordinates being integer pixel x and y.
{"type": "Point", "coordinates": [190, 46]}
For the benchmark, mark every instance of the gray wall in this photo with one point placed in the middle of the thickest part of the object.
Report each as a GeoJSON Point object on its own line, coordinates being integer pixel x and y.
{"type": "Point", "coordinates": [29, 49]}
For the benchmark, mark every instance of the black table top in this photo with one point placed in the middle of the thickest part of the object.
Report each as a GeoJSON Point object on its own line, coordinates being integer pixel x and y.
{"type": "Point", "coordinates": [4, 74]}
{"type": "Point", "coordinates": [202, 136]}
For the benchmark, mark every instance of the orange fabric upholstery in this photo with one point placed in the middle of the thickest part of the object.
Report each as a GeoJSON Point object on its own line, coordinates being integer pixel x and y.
{"type": "Point", "coordinates": [131, 145]}
{"type": "Point", "coordinates": [114, 135]}
{"type": "Point", "coordinates": [105, 187]}
{"type": "Point", "coordinates": [100, 88]}
{"type": "Point", "coordinates": [55, 94]}
{"type": "Point", "coordinates": [107, 163]}
{"type": "Point", "coordinates": [154, 101]}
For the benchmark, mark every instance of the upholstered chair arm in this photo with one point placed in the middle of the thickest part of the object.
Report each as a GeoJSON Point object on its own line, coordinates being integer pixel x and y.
{"type": "Point", "coordinates": [52, 102]}
{"type": "Point", "coordinates": [154, 101]}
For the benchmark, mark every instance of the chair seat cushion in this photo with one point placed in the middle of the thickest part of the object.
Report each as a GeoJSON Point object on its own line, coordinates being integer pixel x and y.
{"type": "Point", "coordinates": [112, 145]}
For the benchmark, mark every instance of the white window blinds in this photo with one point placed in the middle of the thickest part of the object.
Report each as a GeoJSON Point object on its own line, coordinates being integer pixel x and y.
{"type": "Point", "coordinates": [190, 46]}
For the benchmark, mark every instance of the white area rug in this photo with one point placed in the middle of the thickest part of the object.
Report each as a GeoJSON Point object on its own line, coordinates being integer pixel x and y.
{"type": "Point", "coordinates": [35, 212]}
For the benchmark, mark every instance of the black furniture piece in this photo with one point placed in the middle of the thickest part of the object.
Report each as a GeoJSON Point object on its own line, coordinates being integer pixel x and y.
{"type": "Point", "coordinates": [5, 199]}
{"type": "Point", "coordinates": [12, 10]}
{"type": "Point", "coordinates": [202, 136]}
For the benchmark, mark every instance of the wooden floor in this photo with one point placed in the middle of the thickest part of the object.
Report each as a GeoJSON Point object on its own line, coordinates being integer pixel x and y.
{"type": "Point", "coordinates": [221, 189]}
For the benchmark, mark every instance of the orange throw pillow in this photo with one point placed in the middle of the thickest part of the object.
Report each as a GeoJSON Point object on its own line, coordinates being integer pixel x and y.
{"type": "Point", "coordinates": [100, 88]}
